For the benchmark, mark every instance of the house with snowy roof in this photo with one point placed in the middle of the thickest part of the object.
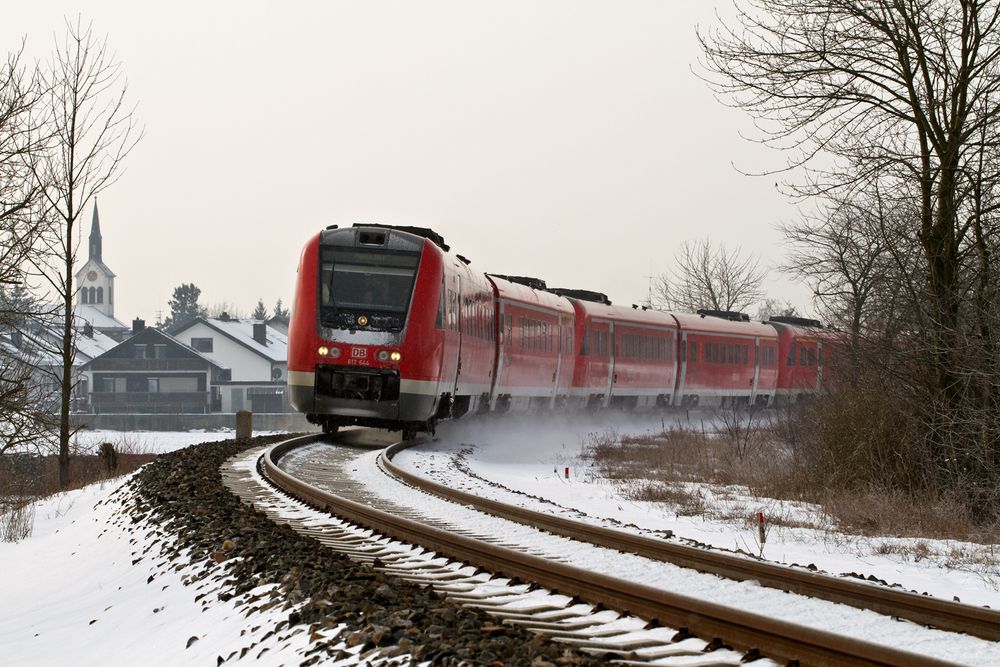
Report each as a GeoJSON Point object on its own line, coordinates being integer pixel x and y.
{"type": "Point", "coordinates": [256, 354]}
{"type": "Point", "coordinates": [152, 372]}
{"type": "Point", "coordinates": [37, 342]}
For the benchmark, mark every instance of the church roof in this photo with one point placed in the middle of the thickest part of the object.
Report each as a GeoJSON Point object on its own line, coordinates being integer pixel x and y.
{"type": "Point", "coordinates": [90, 263]}
{"type": "Point", "coordinates": [97, 319]}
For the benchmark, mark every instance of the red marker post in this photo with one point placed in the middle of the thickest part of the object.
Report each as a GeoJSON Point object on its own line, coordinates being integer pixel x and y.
{"type": "Point", "coordinates": [760, 527]}
{"type": "Point", "coordinates": [567, 472]}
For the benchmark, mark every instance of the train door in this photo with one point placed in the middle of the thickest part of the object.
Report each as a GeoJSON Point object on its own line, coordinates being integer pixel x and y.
{"type": "Point", "coordinates": [819, 364]}
{"type": "Point", "coordinates": [681, 369]}
{"type": "Point", "coordinates": [562, 354]}
{"type": "Point", "coordinates": [451, 355]}
{"type": "Point", "coordinates": [612, 377]}
{"type": "Point", "coordinates": [502, 344]}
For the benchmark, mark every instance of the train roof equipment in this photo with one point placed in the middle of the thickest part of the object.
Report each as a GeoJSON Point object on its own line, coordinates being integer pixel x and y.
{"type": "Point", "coordinates": [424, 232]}
{"type": "Point", "coordinates": [797, 321]}
{"type": "Point", "coordinates": [582, 294]}
{"type": "Point", "coordinates": [731, 315]}
{"type": "Point", "coordinates": [527, 281]}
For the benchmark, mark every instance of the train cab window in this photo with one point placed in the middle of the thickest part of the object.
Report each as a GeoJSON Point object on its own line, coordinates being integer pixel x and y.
{"type": "Point", "coordinates": [373, 281]}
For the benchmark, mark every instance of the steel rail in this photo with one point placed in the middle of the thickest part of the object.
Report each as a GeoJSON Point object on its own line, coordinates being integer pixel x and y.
{"type": "Point", "coordinates": [944, 614]}
{"type": "Point", "coordinates": [742, 630]}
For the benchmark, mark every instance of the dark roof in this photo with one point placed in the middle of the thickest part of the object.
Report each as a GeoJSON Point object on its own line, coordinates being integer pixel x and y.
{"type": "Point", "coordinates": [150, 333]}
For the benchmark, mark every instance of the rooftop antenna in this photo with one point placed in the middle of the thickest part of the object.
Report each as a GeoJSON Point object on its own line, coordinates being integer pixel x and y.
{"type": "Point", "coordinates": [649, 289]}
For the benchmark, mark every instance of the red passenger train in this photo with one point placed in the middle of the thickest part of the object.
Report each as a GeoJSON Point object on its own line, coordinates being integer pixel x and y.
{"type": "Point", "coordinates": [391, 329]}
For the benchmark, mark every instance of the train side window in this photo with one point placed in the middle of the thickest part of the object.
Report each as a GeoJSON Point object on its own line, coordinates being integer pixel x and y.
{"type": "Point", "coordinates": [811, 355]}
{"type": "Point", "coordinates": [438, 320]}
{"type": "Point", "coordinates": [791, 355]}
{"type": "Point", "coordinates": [746, 354]}
{"type": "Point", "coordinates": [802, 355]}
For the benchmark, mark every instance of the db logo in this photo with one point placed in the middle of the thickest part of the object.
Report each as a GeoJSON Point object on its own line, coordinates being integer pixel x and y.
{"type": "Point", "coordinates": [359, 352]}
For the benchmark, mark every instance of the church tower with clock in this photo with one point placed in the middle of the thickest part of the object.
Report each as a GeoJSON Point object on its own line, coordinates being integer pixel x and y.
{"type": "Point", "coordinates": [96, 282]}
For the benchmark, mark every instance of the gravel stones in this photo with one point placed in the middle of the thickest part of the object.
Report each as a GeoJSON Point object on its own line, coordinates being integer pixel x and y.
{"type": "Point", "coordinates": [320, 588]}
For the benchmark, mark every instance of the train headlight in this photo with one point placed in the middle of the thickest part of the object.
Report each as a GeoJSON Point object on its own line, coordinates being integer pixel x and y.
{"type": "Point", "coordinates": [323, 350]}
{"type": "Point", "coordinates": [362, 320]}
{"type": "Point", "coordinates": [335, 352]}
{"type": "Point", "coordinates": [383, 355]}
{"type": "Point", "coordinates": [395, 356]}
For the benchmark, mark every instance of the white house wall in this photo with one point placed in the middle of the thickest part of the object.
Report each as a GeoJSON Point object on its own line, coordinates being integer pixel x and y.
{"type": "Point", "coordinates": [246, 365]}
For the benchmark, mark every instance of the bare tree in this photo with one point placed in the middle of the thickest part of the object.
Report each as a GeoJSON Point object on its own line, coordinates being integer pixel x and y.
{"type": "Point", "coordinates": [25, 413]}
{"type": "Point", "coordinates": [93, 132]}
{"type": "Point", "coordinates": [903, 98]}
{"type": "Point", "coordinates": [23, 137]}
{"type": "Point", "coordinates": [714, 278]}
{"type": "Point", "coordinates": [911, 88]}
{"type": "Point", "coordinates": [771, 307]}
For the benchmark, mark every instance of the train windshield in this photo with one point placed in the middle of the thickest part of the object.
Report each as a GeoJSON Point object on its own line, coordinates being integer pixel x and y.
{"type": "Point", "coordinates": [369, 281]}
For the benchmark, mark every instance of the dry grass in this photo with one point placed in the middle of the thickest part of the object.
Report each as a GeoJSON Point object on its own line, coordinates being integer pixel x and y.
{"type": "Point", "coordinates": [745, 479]}
{"type": "Point", "coordinates": [25, 479]}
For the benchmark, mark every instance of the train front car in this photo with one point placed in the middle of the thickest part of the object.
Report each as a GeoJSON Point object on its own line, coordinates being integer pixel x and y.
{"type": "Point", "coordinates": [364, 344]}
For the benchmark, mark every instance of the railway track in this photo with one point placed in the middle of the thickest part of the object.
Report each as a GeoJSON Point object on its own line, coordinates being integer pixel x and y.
{"type": "Point", "coordinates": [751, 634]}
{"type": "Point", "coordinates": [935, 612]}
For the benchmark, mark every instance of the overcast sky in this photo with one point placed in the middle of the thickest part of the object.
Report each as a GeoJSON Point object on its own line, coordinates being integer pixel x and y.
{"type": "Point", "coordinates": [565, 140]}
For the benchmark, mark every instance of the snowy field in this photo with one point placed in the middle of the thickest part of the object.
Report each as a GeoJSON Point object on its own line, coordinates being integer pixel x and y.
{"type": "Point", "coordinates": [532, 458]}
{"type": "Point", "coordinates": [81, 591]}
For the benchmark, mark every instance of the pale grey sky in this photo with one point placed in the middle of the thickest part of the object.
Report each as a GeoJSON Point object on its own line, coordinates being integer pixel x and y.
{"type": "Point", "coordinates": [566, 140]}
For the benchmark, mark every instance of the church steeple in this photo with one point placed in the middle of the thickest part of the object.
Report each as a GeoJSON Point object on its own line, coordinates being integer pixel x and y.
{"type": "Point", "coordinates": [95, 236]}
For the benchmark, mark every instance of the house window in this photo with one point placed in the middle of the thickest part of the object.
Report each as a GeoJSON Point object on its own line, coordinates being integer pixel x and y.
{"type": "Point", "coordinates": [154, 385]}
{"type": "Point", "coordinates": [202, 344]}
{"type": "Point", "coordinates": [159, 351]}
{"type": "Point", "coordinates": [140, 351]}
{"type": "Point", "coordinates": [108, 385]}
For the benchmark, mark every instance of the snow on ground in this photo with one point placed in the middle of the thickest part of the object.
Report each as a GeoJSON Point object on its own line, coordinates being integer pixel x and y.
{"type": "Point", "coordinates": [532, 457]}
{"type": "Point", "coordinates": [82, 590]}
{"type": "Point", "coordinates": [749, 595]}
{"type": "Point", "coordinates": [151, 442]}
{"type": "Point", "coordinates": [73, 595]}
